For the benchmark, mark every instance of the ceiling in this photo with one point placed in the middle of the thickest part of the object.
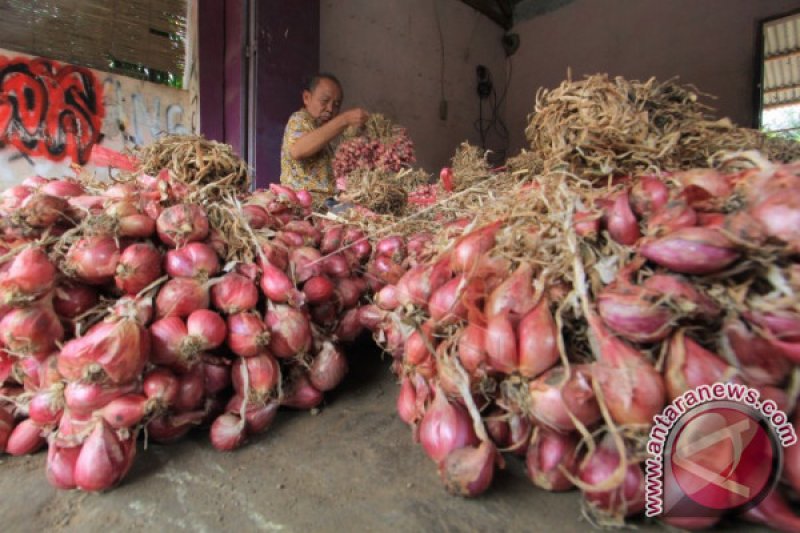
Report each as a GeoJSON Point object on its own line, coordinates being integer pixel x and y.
{"type": "Point", "coordinates": [506, 12]}
{"type": "Point", "coordinates": [500, 11]}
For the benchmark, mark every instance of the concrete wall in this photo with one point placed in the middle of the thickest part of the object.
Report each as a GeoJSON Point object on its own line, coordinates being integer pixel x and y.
{"type": "Point", "coordinates": [708, 43]}
{"type": "Point", "coordinates": [387, 55]}
{"type": "Point", "coordinates": [52, 115]}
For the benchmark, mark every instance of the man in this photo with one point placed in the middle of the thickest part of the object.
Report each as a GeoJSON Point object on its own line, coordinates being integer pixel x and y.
{"type": "Point", "coordinates": [307, 150]}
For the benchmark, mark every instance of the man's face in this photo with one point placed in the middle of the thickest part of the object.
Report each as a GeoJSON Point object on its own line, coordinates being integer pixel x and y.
{"type": "Point", "coordinates": [324, 101]}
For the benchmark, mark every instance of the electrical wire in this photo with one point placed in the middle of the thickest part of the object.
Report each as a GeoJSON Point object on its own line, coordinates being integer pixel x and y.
{"type": "Point", "coordinates": [494, 122]}
{"type": "Point", "coordinates": [441, 47]}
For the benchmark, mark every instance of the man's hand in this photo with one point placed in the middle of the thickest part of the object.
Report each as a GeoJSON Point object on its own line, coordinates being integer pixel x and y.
{"type": "Point", "coordinates": [355, 117]}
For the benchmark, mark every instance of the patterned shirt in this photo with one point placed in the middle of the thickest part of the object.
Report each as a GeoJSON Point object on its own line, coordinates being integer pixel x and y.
{"type": "Point", "coordinates": [313, 173]}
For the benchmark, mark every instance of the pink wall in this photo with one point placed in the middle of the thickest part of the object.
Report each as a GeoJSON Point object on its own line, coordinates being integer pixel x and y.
{"type": "Point", "coordinates": [387, 55]}
{"type": "Point", "coordinates": [708, 43]}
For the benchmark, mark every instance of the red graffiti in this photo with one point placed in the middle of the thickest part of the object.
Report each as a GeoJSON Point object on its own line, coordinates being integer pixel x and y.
{"type": "Point", "coordinates": [48, 109]}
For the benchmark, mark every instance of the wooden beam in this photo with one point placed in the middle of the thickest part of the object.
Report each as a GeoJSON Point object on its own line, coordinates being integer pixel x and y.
{"type": "Point", "coordinates": [785, 55]}
{"type": "Point", "coordinates": [784, 88]}
{"type": "Point", "coordinates": [790, 103]}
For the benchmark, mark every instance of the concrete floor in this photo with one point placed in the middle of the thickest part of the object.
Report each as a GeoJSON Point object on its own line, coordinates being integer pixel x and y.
{"type": "Point", "coordinates": [353, 467]}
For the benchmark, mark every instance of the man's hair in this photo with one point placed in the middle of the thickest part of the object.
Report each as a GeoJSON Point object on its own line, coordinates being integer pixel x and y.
{"type": "Point", "coordinates": [314, 81]}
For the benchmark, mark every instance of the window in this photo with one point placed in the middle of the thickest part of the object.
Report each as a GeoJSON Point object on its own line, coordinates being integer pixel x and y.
{"type": "Point", "coordinates": [780, 81]}
{"type": "Point", "coordinates": [139, 38]}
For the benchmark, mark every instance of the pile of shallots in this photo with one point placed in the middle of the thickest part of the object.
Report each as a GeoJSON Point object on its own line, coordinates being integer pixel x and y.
{"type": "Point", "coordinates": [123, 312]}
{"type": "Point", "coordinates": [674, 281]}
{"type": "Point", "coordinates": [365, 152]}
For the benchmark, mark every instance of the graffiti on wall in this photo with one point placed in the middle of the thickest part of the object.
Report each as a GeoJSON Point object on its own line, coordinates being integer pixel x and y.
{"type": "Point", "coordinates": [53, 114]}
{"type": "Point", "coordinates": [48, 109]}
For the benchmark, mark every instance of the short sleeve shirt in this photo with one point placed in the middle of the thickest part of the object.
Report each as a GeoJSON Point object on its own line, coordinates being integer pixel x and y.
{"type": "Point", "coordinates": [313, 173]}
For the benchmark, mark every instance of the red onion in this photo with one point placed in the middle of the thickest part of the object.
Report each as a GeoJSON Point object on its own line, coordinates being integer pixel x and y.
{"type": "Point", "coordinates": [472, 348]}
{"type": "Point", "coordinates": [25, 438]}
{"type": "Point", "coordinates": [162, 385]}
{"type": "Point", "coordinates": [263, 374]}
{"type": "Point", "coordinates": [137, 226]}
{"type": "Point", "coordinates": [70, 300]}
{"type": "Point", "coordinates": [217, 374]}
{"type": "Point", "coordinates": [782, 324]}
{"type": "Point", "coordinates": [336, 265]}
{"type": "Point", "coordinates": [556, 394]}
{"type": "Point", "coordinates": [357, 244]}
{"type": "Point", "coordinates": [194, 260]}
{"type": "Point", "coordinates": [691, 251]}
{"type": "Point", "coordinates": [258, 416]}
{"type": "Point", "coordinates": [621, 222]}
{"type": "Point", "coordinates": [206, 330]}
{"type": "Point", "coordinates": [42, 210]}
{"type": "Point", "coordinates": [139, 266]}
{"type": "Point", "coordinates": [103, 460]}
{"type": "Point", "coordinates": [386, 298]}
{"type": "Point", "coordinates": [468, 471]}
{"type": "Point", "coordinates": [191, 389]}
{"type": "Point", "coordinates": [348, 292]}
{"type": "Point", "coordinates": [587, 224]}
{"type": "Point", "coordinates": [94, 259]}
{"type": "Point", "coordinates": [182, 224]}
{"type": "Point", "coordinates": [305, 262]}
{"type": "Point", "coordinates": [547, 454]}
{"type": "Point", "coordinates": [753, 355]}
{"type": "Point", "coordinates": [774, 512]}
{"type": "Point", "coordinates": [514, 295]}
{"type": "Point", "coordinates": [501, 344]}
{"type": "Point", "coordinates": [126, 411]}
{"type": "Point", "coordinates": [470, 247]}
{"type": "Point", "coordinates": [689, 365]}
{"type": "Point", "coordinates": [228, 432]}
{"type": "Point", "coordinates": [168, 336]}
{"type": "Point", "coordinates": [12, 198]}
{"type": "Point", "coordinates": [634, 313]}
{"type": "Point", "coordinates": [682, 294]}
{"type": "Point", "coordinates": [181, 297]}
{"type": "Point", "coordinates": [393, 247]}
{"type": "Point", "coordinates": [82, 399]}
{"type": "Point", "coordinates": [648, 195]}
{"type": "Point", "coordinates": [311, 235]}
{"type": "Point", "coordinates": [445, 427]}
{"type": "Point", "coordinates": [633, 389]}
{"type": "Point", "coordinates": [386, 270]}
{"type": "Point", "coordinates": [612, 496]}
{"type": "Point", "coordinates": [791, 457]}
{"type": "Point", "coordinates": [61, 461]}
{"type": "Point", "coordinates": [247, 334]}
{"type": "Point", "coordinates": [675, 215]}
{"type": "Point", "coordinates": [115, 350]}
{"type": "Point", "coordinates": [707, 182]}
{"type": "Point", "coordinates": [170, 428]}
{"type": "Point", "coordinates": [234, 293]}
{"type": "Point", "coordinates": [46, 406]}
{"type": "Point", "coordinates": [538, 341]}
{"type": "Point", "coordinates": [328, 368]}
{"type": "Point", "coordinates": [29, 275]}
{"type": "Point", "coordinates": [290, 331]}
{"type": "Point", "coordinates": [275, 253]}
{"type": "Point", "coordinates": [331, 239]}
{"type": "Point", "coordinates": [349, 326]}
{"type": "Point", "coordinates": [407, 402]}
{"type": "Point", "coordinates": [371, 316]}
{"type": "Point", "coordinates": [417, 285]}
{"type": "Point", "coordinates": [278, 287]}
{"type": "Point", "coordinates": [299, 393]}
{"type": "Point", "coordinates": [31, 330]}
{"type": "Point", "coordinates": [318, 289]}
{"type": "Point", "coordinates": [256, 216]}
